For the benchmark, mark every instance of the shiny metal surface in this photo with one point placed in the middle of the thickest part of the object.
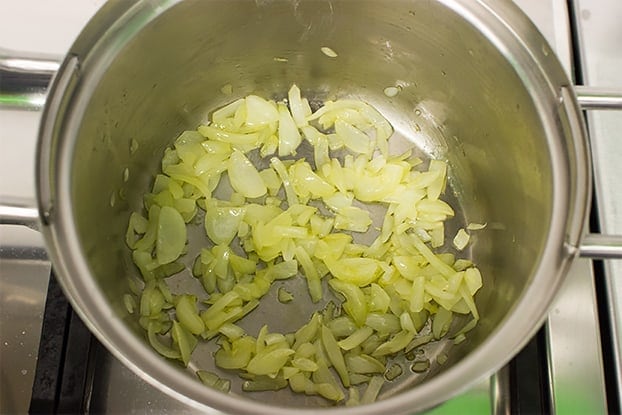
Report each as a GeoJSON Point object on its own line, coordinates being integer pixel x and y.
{"type": "Point", "coordinates": [576, 370]}
{"type": "Point", "coordinates": [500, 387]}
{"type": "Point", "coordinates": [599, 33]}
{"type": "Point", "coordinates": [24, 269]}
{"type": "Point", "coordinates": [510, 69]}
{"type": "Point", "coordinates": [599, 98]}
{"type": "Point", "coordinates": [24, 273]}
{"type": "Point", "coordinates": [19, 212]}
{"type": "Point", "coordinates": [575, 362]}
{"type": "Point", "coordinates": [601, 246]}
{"type": "Point", "coordinates": [25, 78]}
{"type": "Point", "coordinates": [119, 390]}
{"type": "Point", "coordinates": [127, 396]}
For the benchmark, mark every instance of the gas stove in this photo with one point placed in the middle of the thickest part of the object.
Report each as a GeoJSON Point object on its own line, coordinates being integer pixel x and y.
{"type": "Point", "coordinates": [49, 362]}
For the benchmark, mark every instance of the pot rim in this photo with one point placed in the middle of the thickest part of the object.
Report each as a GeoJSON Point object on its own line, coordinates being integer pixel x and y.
{"type": "Point", "coordinates": [504, 25]}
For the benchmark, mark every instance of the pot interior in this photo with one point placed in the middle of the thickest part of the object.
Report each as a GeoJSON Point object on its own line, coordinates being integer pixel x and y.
{"type": "Point", "coordinates": [460, 99]}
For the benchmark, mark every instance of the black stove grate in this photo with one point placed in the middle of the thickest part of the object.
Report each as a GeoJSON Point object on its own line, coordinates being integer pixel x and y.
{"type": "Point", "coordinates": [62, 379]}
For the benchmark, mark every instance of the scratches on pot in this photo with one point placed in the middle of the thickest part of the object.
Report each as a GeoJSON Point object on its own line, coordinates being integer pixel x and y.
{"type": "Point", "coordinates": [314, 17]}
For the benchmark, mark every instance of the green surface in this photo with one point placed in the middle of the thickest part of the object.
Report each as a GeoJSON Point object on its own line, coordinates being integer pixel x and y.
{"type": "Point", "coordinates": [474, 401]}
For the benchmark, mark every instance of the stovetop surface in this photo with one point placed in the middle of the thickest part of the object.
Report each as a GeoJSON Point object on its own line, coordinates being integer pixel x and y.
{"type": "Point", "coordinates": [586, 36]}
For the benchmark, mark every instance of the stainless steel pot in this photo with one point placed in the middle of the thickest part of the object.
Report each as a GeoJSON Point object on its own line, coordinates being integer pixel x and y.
{"type": "Point", "coordinates": [480, 87]}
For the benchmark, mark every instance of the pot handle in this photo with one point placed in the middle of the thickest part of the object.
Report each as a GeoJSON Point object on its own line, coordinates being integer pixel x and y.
{"type": "Point", "coordinates": [601, 246]}
{"type": "Point", "coordinates": [19, 212]}
{"type": "Point", "coordinates": [595, 98]}
{"type": "Point", "coordinates": [594, 245]}
{"type": "Point", "coordinates": [25, 78]}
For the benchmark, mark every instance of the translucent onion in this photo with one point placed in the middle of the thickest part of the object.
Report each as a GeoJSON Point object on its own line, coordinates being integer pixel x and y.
{"type": "Point", "coordinates": [289, 136]}
{"type": "Point", "coordinates": [171, 239]}
{"type": "Point", "coordinates": [392, 287]}
{"type": "Point", "coordinates": [244, 177]}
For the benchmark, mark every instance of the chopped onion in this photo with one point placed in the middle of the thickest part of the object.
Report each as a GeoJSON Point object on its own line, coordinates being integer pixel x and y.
{"type": "Point", "coordinates": [300, 108]}
{"type": "Point", "coordinates": [289, 136]}
{"type": "Point", "coordinates": [244, 177]}
{"type": "Point", "coordinates": [437, 187]}
{"type": "Point", "coordinates": [260, 112]}
{"type": "Point", "coordinates": [222, 223]}
{"type": "Point", "coordinates": [353, 138]}
{"type": "Point", "coordinates": [328, 52]}
{"type": "Point", "coordinates": [476, 226]}
{"type": "Point", "coordinates": [392, 287]}
{"type": "Point", "coordinates": [184, 340]}
{"type": "Point", "coordinates": [171, 238]}
{"type": "Point", "coordinates": [188, 314]}
{"type": "Point", "coordinates": [353, 397]}
{"type": "Point", "coordinates": [420, 366]}
{"type": "Point", "coordinates": [334, 355]}
{"type": "Point", "coordinates": [269, 363]}
{"type": "Point", "coordinates": [356, 338]}
{"type": "Point", "coordinates": [391, 91]}
{"type": "Point", "coordinates": [461, 239]}
{"type": "Point", "coordinates": [264, 383]}
{"type": "Point", "coordinates": [284, 296]}
{"type": "Point", "coordinates": [373, 389]}
{"type": "Point", "coordinates": [393, 372]}
{"type": "Point", "coordinates": [214, 381]}
{"type": "Point", "coordinates": [158, 346]}
{"type": "Point", "coordinates": [442, 359]}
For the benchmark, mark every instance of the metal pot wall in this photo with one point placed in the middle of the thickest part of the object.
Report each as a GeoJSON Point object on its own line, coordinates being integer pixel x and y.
{"type": "Point", "coordinates": [480, 88]}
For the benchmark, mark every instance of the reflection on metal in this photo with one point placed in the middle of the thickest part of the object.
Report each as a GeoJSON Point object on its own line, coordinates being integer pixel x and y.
{"type": "Point", "coordinates": [117, 390]}
{"type": "Point", "coordinates": [500, 392]}
{"type": "Point", "coordinates": [599, 31]}
{"type": "Point", "coordinates": [32, 101]}
{"type": "Point", "coordinates": [576, 368]}
{"type": "Point", "coordinates": [25, 78]}
{"type": "Point", "coordinates": [18, 212]}
{"type": "Point", "coordinates": [599, 98]}
{"type": "Point", "coordinates": [601, 246]}
{"type": "Point", "coordinates": [23, 284]}
{"type": "Point", "coordinates": [575, 361]}
{"type": "Point", "coordinates": [573, 338]}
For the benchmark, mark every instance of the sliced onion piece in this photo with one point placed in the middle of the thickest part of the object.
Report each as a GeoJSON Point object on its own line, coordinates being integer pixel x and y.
{"type": "Point", "coordinates": [476, 226]}
{"type": "Point", "coordinates": [289, 136]}
{"type": "Point", "coordinates": [373, 389]}
{"type": "Point", "coordinates": [260, 111]}
{"type": "Point", "coordinates": [244, 177]}
{"type": "Point", "coordinates": [188, 315]}
{"type": "Point", "coordinates": [334, 355]}
{"type": "Point", "coordinates": [356, 338]}
{"type": "Point", "coordinates": [357, 271]}
{"type": "Point", "coordinates": [461, 239]}
{"type": "Point", "coordinates": [171, 239]}
{"type": "Point", "coordinates": [184, 340]}
{"type": "Point", "coordinates": [300, 108]}
{"type": "Point", "coordinates": [438, 186]}
{"type": "Point", "coordinates": [390, 287]}
{"type": "Point", "coordinates": [269, 363]}
{"type": "Point", "coordinates": [212, 380]}
{"type": "Point", "coordinates": [222, 223]}
{"type": "Point", "coordinates": [353, 138]}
